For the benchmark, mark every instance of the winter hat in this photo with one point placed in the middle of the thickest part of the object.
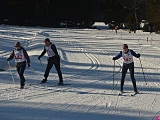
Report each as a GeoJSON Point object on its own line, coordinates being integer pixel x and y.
{"type": "Point", "coordinates": [47, 39]}
{"type": "Point", "coordinates": [125, 46]}
{"type": "Point", "coordinates": [17, 44]}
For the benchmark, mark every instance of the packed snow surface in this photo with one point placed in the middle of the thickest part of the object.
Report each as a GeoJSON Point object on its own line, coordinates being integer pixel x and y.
{"type": "Point", "coordinates": [87, 66]}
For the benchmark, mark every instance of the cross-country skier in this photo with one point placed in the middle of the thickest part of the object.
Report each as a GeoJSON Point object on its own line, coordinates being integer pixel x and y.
{"type": "Point", "coordinates": [54, 59]}
{"type": "Point", "coordinates": [21, 60]}
{"type": "Point", "coordinates": [127, 55]}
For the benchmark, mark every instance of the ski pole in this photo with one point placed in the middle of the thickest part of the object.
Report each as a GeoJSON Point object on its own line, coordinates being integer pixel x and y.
{"type": "Point", "coordinates": [143, 71]}
{"type": "Point", "coordinates": [11, 72]}
{"type": "Point", "coordinates": [113, 74]}
{"type": "Point", "coordinates": [40, 62]}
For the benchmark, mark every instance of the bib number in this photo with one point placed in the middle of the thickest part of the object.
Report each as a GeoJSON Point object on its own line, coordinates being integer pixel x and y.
{"type": "Point", "coordinates": [48, 52]}
{"type": "Point", "coordinates": [127, 59]}
{"type": "Point", "coordinates": [18, 57]}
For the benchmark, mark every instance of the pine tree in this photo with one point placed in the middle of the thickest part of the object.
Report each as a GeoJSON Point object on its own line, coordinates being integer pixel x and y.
{"type": "Point", "coordinates": [153, 13]}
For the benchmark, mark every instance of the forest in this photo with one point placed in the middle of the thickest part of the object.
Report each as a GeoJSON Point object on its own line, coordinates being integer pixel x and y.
{"type": "Point", "coordinates": [80, 13]}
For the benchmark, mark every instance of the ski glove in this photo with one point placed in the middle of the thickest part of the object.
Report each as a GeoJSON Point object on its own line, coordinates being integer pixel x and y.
{"type": "Point", "coordinates": [8, 59]}
{"type": "Point", "coordinates": [39, 57]}
{"type": "Point", "coordinates": [138, 55]}
{"type": "Point", "coordinates": [29, 65]}
{"type": "Point", "coordinates": [114, 58]}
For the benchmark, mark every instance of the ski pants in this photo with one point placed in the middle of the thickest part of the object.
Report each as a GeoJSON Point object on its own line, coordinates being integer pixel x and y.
{"type": "Point", "coordinates": [20, 70]}
{"type": "Point", "coordinates": [56, 62]}
{"type": "Point", "coordinates": [124, 71]}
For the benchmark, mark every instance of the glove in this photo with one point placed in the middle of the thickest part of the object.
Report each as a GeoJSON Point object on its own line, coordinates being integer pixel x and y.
{"type": "Point", "coordinates": [8, 59]}
{"type": "Point", "coordinates": [138, 55]}
{"type": "Point", "coordinates": [39, 57]}
{"type": "Point", "coordinates": [114, 58]}
{"type": "Point", "coordinates": [29, 65]}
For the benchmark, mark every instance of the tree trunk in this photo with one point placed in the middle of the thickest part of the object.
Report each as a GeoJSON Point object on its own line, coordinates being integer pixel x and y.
{"type": "Point", "coordinates": [136, 19]}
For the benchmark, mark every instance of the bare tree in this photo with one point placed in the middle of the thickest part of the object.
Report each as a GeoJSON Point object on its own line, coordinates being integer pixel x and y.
{"type": "Point", "coordinates": [133, 6]}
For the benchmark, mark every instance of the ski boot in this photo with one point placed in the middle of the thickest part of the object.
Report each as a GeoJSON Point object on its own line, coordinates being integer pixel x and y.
{"type": "Point", "coordinates": [43, 81]}
{"type": "Point", "coordinates": [60, 84]}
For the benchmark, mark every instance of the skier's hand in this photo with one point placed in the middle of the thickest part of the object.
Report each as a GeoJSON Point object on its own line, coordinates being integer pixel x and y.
{"type": "Point", "coordinates": [39, 57]}
{"type": "Point", "coordinates": [114, 58]}
{"type": "Point", "coordinates": [7, 59]}
{"type": "Point", "coordinates": [138, 55]}
{"type": "Point", "coordinates": [29, 65]}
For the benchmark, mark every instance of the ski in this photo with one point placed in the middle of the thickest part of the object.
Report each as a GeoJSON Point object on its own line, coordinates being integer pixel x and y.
{"type": "Point", "coordinates": [134, 94]}
{"type": "Point", "coordinates": [121, 94]}
{"type": "Point", "coordinates": [45, 85]}
{"type": "Point", "coordinates": [42, 85]}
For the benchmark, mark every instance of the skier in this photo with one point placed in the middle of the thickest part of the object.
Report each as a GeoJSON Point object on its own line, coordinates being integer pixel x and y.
{"type": "Point", "coordinates": [127, 55]}
{"type": "Point", "coordinates": [116, 29]}
{"type": "Point", "coordinates": [21, 59]}
{"type": "Point", "coordinates": [54, 59]}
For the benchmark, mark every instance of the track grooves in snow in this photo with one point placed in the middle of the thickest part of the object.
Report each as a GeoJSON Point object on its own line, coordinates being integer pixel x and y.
{"type": "Point", "coordinates": [88, 70]}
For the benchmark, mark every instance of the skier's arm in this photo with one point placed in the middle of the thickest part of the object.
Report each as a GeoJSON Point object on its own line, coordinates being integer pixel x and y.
{"type": "Point", "coordinates": [11, 56]}
{"type": "Point", "coordinates": [26, 56]}
{"type": "Point", "coordinates": [134, 54]}
{"type": "Point", "coordinates": [53, 47]}
{"type": "Point", "coordinates": [118, 56]}
{"type": "Point", "coordinates": [42, 54]}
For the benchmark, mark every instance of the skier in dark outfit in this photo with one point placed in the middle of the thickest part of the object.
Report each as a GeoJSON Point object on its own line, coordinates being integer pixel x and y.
{"type": "Point", "coordinates": [21, 59]}
{"type": "Point", "coordinates": [53, 59]}
{"type": "Point", "coordinates": [127, 55]}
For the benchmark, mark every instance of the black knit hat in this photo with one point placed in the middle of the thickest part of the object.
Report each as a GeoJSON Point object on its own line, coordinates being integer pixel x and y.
{"type": "Point", "coordinates": [47, 39]}
{"type": "Point", "coordinates": [125, 46]}
{"type": "Point", "coordinates": [17, 44]}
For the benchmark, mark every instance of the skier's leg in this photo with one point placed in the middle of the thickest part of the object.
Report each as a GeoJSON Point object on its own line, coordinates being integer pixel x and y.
{"type": "Point", "coordinates": [131, 69]}
{"type": "Point", "coordinates": [18, 69]}
{"type": "Point", "coordinates": [57, 66]}
{"type": "Point", "coordinates": [124, 71]}
{"type": "Point", "coordinates": [48, 68]}
{"type": "Point", "coordinates": [21, 72]}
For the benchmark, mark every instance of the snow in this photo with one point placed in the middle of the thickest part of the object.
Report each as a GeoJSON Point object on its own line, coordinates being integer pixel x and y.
{"type": "Point", "coordinates": [100, 25]}
{"type": "Point", "coordinates": [87, 66]}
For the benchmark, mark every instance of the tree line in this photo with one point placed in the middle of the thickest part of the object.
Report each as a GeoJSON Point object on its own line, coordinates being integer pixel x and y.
{"type": "Point", "coordinates": [79, 13]}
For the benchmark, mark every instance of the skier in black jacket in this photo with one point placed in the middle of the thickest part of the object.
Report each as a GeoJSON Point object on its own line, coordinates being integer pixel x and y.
{"type": "Point", "coordinates": [53, 59]}
{"type": "Point", "coordinates": [21, 59]}
{"type": "Point", "coordinates": [128, 63]}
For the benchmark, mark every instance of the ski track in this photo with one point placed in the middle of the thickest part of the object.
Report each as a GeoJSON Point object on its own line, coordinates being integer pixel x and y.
{"type": "Point", "coordinates": [113, 105]}
{"type": "Point", "coordinates": [105, 78]}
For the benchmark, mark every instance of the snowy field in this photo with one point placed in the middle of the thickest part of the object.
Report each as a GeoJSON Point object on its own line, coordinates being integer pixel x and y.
{"type": "Point", "coordinates": [87, 66]}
